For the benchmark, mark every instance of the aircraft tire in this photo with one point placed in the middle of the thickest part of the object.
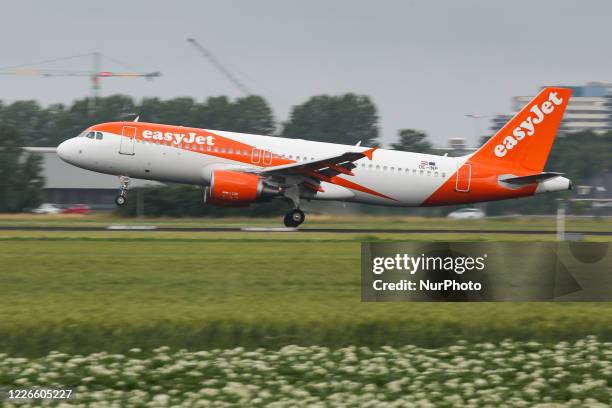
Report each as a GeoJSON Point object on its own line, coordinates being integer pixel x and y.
{"type": "Point", "coordinates": [294, 218]}
{"type": "Point", "coordinates": [120, 200]}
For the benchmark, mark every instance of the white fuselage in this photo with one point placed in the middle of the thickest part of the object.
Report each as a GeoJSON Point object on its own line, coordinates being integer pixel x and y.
{"type": "Point", "coordinates": [400, 178]}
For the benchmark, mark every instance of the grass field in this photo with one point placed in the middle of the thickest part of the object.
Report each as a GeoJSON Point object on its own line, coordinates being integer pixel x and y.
{"type": "Point", "coordinates": [275, 319]}
{"type": "Point", "coordinates": [84, 292]}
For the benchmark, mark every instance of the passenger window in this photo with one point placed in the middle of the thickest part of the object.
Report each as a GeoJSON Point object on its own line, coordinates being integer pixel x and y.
{"type": "Point", "coordinates": [216, 149]}
{"type": "Point", "coordinates": [223, 150]}
{"type": "Point", "coordinates": [377, 167]}
{"type": "Point", "coordinates": [436, 174]}
{"type": "Point", "coordinates": [231, 151]}
{"type": "Point", "coordinates": [99, 135]}
{"type": "Point", "coordinates": [421, 172]}
{"type": "Point", "coordinates": [392, 169]}
{"type": "Point", "coordinates": [413, 171]}
{"type": "Point", "coordinates": [429, 173]}
{"type": "Point", "coordinates": [208, 148]}
{"type": "Point", "coordinates": [443, 174]}
{"type": "Point", "coordinates": [385, 168]}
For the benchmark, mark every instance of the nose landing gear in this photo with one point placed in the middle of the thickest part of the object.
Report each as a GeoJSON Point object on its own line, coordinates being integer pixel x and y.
{"type": "Point", "coordinates": [294, 218]}
{"type": "Point", "coordinates": [122, 197]}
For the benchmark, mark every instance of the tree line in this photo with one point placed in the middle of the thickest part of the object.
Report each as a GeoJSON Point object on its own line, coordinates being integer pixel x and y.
{"type": "Point", "coordinates": [346, 119]}
{"type": "Point", "coordinates": [21, 180]}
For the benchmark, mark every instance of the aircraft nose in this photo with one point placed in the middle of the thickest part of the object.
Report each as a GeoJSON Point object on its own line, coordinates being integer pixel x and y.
{"type": "Point", "coordinates": [66, 150]}
{"type": "Point", "coordinates": [62, 150]}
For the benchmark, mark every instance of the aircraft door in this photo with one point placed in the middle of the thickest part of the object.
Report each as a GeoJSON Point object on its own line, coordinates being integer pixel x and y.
{"type": "Point", "coordinates": [128, 138]}
{"type": "Point", "coordinates": [255, 156]}
{"type": "Point", "coordinates": [464, 175]}
{"type": "Point", "coordinates": [267, 157]}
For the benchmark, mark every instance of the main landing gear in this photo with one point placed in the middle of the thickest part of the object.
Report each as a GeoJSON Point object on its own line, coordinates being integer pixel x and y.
{"type": "Point", "coordinates": [122, 197]}
{"type": "Point", "coordinates": [294, 218]}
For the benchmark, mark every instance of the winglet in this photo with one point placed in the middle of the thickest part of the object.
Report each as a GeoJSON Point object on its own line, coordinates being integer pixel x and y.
{"type": "Point", "coordinates": [368, 153]}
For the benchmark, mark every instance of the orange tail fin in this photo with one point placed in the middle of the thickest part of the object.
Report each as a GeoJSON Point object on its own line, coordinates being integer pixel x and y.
{"type": "Point", "coordinates": [525, 141]}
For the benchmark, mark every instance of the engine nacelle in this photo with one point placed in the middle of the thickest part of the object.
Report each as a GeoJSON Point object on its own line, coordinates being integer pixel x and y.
{"type": "Point", "coordinates": [233, 189]}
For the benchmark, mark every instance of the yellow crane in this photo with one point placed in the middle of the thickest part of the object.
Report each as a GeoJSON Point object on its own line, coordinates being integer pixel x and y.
{"type": "Point", "coordinates": [95, 74]}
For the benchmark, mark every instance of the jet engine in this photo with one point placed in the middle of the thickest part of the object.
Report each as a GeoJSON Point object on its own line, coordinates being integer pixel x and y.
{"type": "Point", "coordinates": [234, 189]}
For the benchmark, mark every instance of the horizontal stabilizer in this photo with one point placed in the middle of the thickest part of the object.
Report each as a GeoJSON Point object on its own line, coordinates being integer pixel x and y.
{"type": "Point", "coordinates": [532, 178]}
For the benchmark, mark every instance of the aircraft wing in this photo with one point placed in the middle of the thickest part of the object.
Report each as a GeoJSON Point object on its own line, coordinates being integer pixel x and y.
{"type": "Point", "coordinates": [322, 169]}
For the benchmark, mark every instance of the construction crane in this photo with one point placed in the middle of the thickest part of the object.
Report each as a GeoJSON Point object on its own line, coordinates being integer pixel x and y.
{"type": "Point", "coordinates": [94, 74]}
{"type": "Point", "coordinates": [208, 55]}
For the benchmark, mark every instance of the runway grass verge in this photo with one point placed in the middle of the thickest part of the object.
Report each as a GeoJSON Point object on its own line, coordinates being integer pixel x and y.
{"type": "Point", "coordinates": [526, 223]}
{"type": "Point", "coordinates": [86, 292]}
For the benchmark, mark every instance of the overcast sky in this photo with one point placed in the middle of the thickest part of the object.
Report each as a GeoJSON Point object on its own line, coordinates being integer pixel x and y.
{"type": "Point", "coordinates": [426, 64]}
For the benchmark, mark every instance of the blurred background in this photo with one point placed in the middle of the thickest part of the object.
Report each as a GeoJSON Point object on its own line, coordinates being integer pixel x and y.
{"type": "Point", "coordinates": [412, 76]}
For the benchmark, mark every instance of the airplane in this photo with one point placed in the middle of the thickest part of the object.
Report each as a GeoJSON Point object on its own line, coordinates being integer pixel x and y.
{"type": "Point", "coordinates": [237, 169]}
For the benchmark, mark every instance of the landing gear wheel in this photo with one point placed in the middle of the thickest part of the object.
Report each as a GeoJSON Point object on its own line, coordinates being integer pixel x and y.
{"type": "Point", "coordinates": [120, 200]}
{"type": "Point", "coordinates": [122, 197]}
{"type": "Point", "coordinates": [294, 218]}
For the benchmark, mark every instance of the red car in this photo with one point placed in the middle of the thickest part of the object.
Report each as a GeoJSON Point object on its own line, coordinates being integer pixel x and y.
{"type": "Point", "coordinates": [77, 209]}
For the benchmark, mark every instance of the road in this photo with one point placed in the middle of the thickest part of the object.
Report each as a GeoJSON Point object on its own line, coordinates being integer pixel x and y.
{"type": "Point", "coordinates": [303, 230]}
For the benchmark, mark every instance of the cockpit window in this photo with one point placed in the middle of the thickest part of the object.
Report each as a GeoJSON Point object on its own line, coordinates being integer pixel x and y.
{"type": "Point", "coordinates": [91, 135]}
{"type": "Point", "coordinates": [99, 135]}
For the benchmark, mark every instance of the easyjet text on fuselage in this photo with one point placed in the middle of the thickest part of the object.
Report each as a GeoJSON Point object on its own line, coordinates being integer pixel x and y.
{"type": "Point", "coordinates": [178, 138]}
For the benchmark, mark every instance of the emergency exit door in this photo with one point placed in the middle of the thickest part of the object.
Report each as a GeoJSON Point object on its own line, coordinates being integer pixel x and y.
{"type": "Point", "coordinates": [128, 138]}
{"type": "Point", "coordinates": [464, 175]}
